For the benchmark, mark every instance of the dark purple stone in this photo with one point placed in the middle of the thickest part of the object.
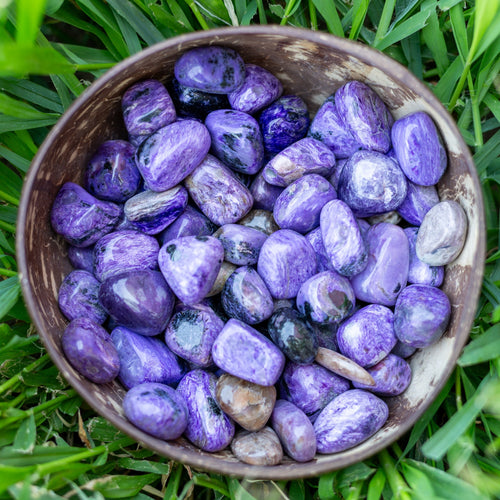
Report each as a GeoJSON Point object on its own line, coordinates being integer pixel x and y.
{"type": "Point", "coordinates": [326, 335]}
{"type": "Point", "coordinates": [264, 194]}
{"type": "Point", "coordinates": [419, 200]}
{"type": "Point", "coordinates": [403, 350]}
{"type": "Point", "coordinates": [81, 258]}
{"type": "Point", "coordinates": [316, 240]}
{"type": "Point", "coordinates": [419, 272]}
{"type": "Point", "coordinates": [241, 244]}
{"type": "Point", "coordinates": [190, 223]}
{"type": "Point", "coordinates": [335, 176]}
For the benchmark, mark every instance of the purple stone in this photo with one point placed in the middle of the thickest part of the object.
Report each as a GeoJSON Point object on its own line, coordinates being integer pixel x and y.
{"type": "Point", "coordinates": [368, 335]}
{"type": "Point", "coordinates": [144, 359]}
{"type": "Point", "coordinates": [371, 183]}
{"type": "Point", "coordinates": [122, 251]}
{"type": "Point", "coordinates": [214, 69]}
{"type": "Point", "coordinates": [386, 272]}
{"type": "Point", "coordinates": [419, 200]}
{"type": "Point", "coordinates": [286, 260]}
{"type": "Point", "coordinates": [162, 158]}
{"type": "Point", "coordinates": [242, 351]}
{"type": "Point", "coordinates": [326, 297]}
{"type": "Point", "coordinates": [326, 336]}
{"type": "Point", "coordinates": [80, 218]}
{"type": "Point", "coordinates": [156, 409]}
{"type": "Point", "coordinates": [264, 194]}
{"type": "Point", "coordinates": [236, 140]}
{"type": "Point", "coordinates": [246, 297]}
{"type": "Point", "coordinates": [329, 127]}
{"type": "Point", "coordinates": [339, 166]}
{"type": "Point", "coordinates": [139, 300]}
{"type": "Point", "coordinates": [306, 156]}
{"type": "Point", "coordinates": [342, 239]}
{"type": "Point", "coordinates": [299, 206]}
{"type": "Point", "coordinates": [262, 220]}
{"type": "Point", "coordinates": [284, 122]}
{"type": "Point", "coordinates": [152, 212]}
{"type": "Point", "coordinates": [241, 244]}
{"type": "Point", "coordinates": [208, 427]}
{"type": "Point", "coordinates": [392, 376]}
{"type": "Point", "coordinates": [403, 350]}
{"type": "Point", "coordinates": [79, 297]}
{"type": "Point", "coordinates": [315, 239]}
{"type": "Point", "coordinates": [421, 315]}
{"type": "Point", "coordinates": [419, 272]}
{"type": "Point", "coordinates": [419, 149]}
{"type": "Point", "coordinates": [81, 258]}
{"type": "Point", "coordinates": [146, 107]}
{"type": "Point", "coordinates": [218, 193]}
{"type": "Point", "coordinates": [191, 333]}
{"type": "Point", "coordinates": [295, 431]}
{"type": "Point", "coordinates": [348, 420]}
{"type": "Point", "coordinates": [190, 223]}
{"type": "Point", "coordinates": [89, 349]}
{"type": "Point", "coordinates": [259, 89]}
{"type": "Point", "coordinates": [111, 173]}
{"type": "Point", "coordinates": [311, 387]}
{"type": "Point", "coordinates": [365, 115]}
{"type": "Point", "coordinates": [364, 226]}
{"type": "Point", "coordinates": [190, 265]}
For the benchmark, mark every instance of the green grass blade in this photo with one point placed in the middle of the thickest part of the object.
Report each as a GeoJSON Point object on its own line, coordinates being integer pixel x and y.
{"type": "Point", "coordinates": [435, 41]}
{"type": "Point", "coordinates": [33, 93]}
{"type": "Point", "coordinates": [385, 20]}
{"type": "Point", "coordinates": [329, 13]}
{"type": "Point", "coordinates": [483, 348]}
{"type": "Point", "coordinates": [485, 19]}
{"type": "Point", "coordinates": [29, 14]}
{"type": "Point", "coordinates": [9, 293]}
{"type": "Point", "coordinates": [19, 109]}
{"type": "Point", "coordinates": [360, 9]}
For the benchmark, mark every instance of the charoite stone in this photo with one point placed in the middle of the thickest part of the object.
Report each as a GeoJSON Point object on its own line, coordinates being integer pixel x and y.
{"type": "Point", "coordinates": [419, 272]}
{"type": "Point", "coordinates": [81, 258]}
{"type": "Point", "coordinates": [391, 217]}
{"type": "Point", "coordinates": [326, 336]}
{"type": "Point", "coordinates": [264, 194]}
{"type": "Point", "coordinates": [403, 350]}
{"type": "Point", "coordinates": [226, 269]}
{"type": "Point", "coordinates": [248, 404]}
{"type": "Point", "coordinates": [191, 222]}
{"type": "Point", "coordinates": [257, 448]}
{"type": "Point", "coordinates": [419, 200]}
{"type": "Point", "coordinates": [262, 220]}
{"type": "Point", "coordinates": [241, 244]}
{"type": "Point", "coordinates": [335, 176]}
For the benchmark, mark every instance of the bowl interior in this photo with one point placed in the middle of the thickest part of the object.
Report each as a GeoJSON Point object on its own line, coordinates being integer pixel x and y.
{"type": "Point", "coordinates": [312, 65]}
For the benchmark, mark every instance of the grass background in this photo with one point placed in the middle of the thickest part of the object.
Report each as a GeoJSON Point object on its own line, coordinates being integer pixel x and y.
{"type": "Point", "coordinates": [51, 444]}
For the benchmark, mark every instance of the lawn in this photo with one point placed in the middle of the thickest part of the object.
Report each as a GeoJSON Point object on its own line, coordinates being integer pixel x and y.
{"type": "Point", "coordinates": [52, 445]}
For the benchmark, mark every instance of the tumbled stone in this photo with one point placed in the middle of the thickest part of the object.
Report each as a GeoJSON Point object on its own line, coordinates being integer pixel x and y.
{"type": "Point", "coordinates": [262, 447]}
{"type": "Point", "coordinates": [208, 426]}
{"type": "Point", "coordinates": [326, 335]}
{"type": "Point", "coordinates": [421, 315]}
{"type": "Point", "coordinates": [368, 335]}
{"type": "Point", "coordinates": [419, 149]}
{"type": "Point", "coordinates": [316, 240]}
{"type": "Point", "coordinates": [391, 217]}
{"type": "Point", "coordinates": [294, 430]}
{"type": "Point", "coordinates": [156, 409]}
{"type": "Point", "coordinates": [144, 359]}
{"type": "Point", "coordinates": [306, 156]}
{"type": "Point", "coordinates": [190, 265]}
{"type": "Point", "coordinates": [226, 269]}
{"type": "Point", "coordinates": [236, 140]}
{"type": "Point", "coordinates": [403, 350]}
{"type": "Point", "coordinates": [286, 260]}
{"type": "Point", "coordinates": [241, 244]}
{"type": "Point", "coordinates": [419, 272]}
{"type": "Point", "coordinates": [248, 404]}
{"type": "Point", "coordinates": [348, 420]}
{"type": "Point", "coordinates": [284, 122]}
{"type": "Point", "coordinates": [162, 158]}
{"type": "Point", "coordinates": [264, 194]}
{"type": "Point", "coordinates": [262, 220]}
{"type": "Point", "coordinates": [419, 200]}
{"type": "Point", "coordinates": [81, 258]}
{"type": "Point", "coordinates": [299, 206]}
{"type": "Point", "coordinates": [191, 222]}
{"type": "Point", "coordinates": [218, 193]}
{"type": "Point", "coordinates": [386, 272]}
{"type": "Point", "coordinates": [365, 115]}
{"type": "Point", "coordinates": [214, 68]}
{"type": "Point", "coordinates": [335, 176]}
{"type": "Point", "coordinates": [441, 236]}
{"type": "Point", "coordinates": [259, 89]}
{"type": "Point", "coordinates": [371, 183]}
{"type": "Point", "coordinates": [80, 218]}
{"type": "Point", "coordinates": [242, 351]}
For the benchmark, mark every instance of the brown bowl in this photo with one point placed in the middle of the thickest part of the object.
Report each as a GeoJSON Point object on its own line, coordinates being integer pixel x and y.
{"type": "Point", "coordinates": [312, 65]}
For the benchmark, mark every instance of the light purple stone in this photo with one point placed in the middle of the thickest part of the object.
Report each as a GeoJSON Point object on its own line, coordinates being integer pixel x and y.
{"type": "Point", "coordinates": [348, 420]}
{"type": "Point", "coordinates": [122, 251]}
{"type": "Point", "coordinates": [208, 427]}
{"type": "Point", "coordinates": [80, 218]}
{"type": "Point", "coordinates": [342, 239]}
{"type": "Point", "coordinates": [214, 69]}
{"type": "Point", "coordinates": [368, 335]}
{"type": "Point", "coordinates": [392, 376]}
{"type": "Point", "coordinates": [169, 155]}
{"type": "Point", "coordinates": [386, 272]}
{"type": "Point", "coordinates": [264, 194]}
{"type": "Point", "coordinates": [326, 297]}
{"type": "Point", "coordinates": [371, 183]}
{"type": "Point", "coordinates": [242, 351]}
{"type": "Point", "coordinates": [419, 200]}
{"type": "Point", "coordinates": [190, 265]}
{"type": "Point", "coordinates": [81, 258]}
{"type": "Point", "coordinates": [286, 260]}
{"type": "Point", "coordinates": [421, 315]}
{"type": "Point", "coordinates": [335, 176]}
{"type": "Point", "coordinates": [419, 149]}
{"type": "Point", "coordinates": [89, 349]}
{"type": "Point", "coordinates": [218, 193]}
{"type": "Point", "coordinates": [241, 244]}
{"type": "Point", "coordinates": [156, 409]}
{"type": "Point", "coordinates": [236, 140]}
{"type": "Point", "coordinates": [295, 431]}
{"type": "Point", "coordinates": [299, 206]}
{"type": "Point", "coordinates": [364, 226]}
{"type": "Point", "coordinates": [190, 223]}
{"type": "Point", "coordinates": [316, 240]}
{"type": "Point", "coordinates": [79, 297]}
{"type": "Point", "coordinates": [144, 359]}
{"type": "Point", "coordinates": [259, 89]}
{"type": "Point", "coordinates": [307, 156]}
{"type": "Point", "coordinates": [419, 272]}
{"type": "Point", "coordinates": [365, 115]}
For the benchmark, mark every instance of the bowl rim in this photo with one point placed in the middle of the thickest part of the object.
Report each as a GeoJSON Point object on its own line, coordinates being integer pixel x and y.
{"type": "Point", "coordinates": [367, 55]}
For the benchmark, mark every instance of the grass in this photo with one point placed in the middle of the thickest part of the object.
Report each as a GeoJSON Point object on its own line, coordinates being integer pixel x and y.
{"type": "Point", "coordinates": [51, 444]}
